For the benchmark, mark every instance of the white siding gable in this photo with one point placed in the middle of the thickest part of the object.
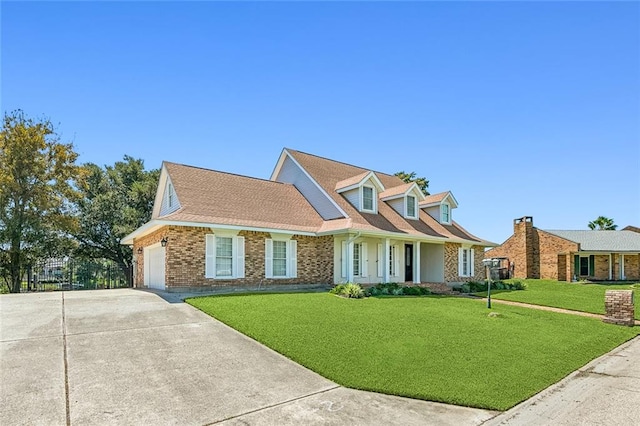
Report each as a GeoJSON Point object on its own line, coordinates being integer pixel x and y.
{"type": "Point", "coordinates": [434, 212]}
{"type": "Point", "coordinates": [398, 205]}
{"type": "Point", "coordinates": [353, 197]}
{"type": "Point", "coordinates": [170, 201]}
{"type": "Point", "coordinates": [291, 173]}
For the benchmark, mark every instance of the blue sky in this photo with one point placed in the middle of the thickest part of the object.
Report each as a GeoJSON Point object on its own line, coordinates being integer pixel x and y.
{"type": "Point", "coordinates": [519, 108]}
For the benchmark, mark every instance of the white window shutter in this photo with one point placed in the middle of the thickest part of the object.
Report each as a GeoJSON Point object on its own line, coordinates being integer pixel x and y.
{"type": "Point", "coordinates": [268, 258]}
{"type": "Point", "coordinates": [293, 259]}
{"type": "Point", "coordinates": [239, 273]}
{"type": "Point", "coordinates": [460, 261]}
{"type": "Point", "coordinates": [396, 260]}
{"type": "Point", "coordinates": [380, 260]}
{"type": "Point", "coordinates": [364, 260]}
{"type": "Point", "coordinates": [471, 263]}
{"type": "Point", "coordinates": [343, 259]}
{"type": "Point", "coordinates": [210, 256]}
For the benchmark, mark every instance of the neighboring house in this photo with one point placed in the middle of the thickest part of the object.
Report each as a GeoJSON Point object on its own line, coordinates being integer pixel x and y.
{"type": "Point", "coordinates": [570, 255]}
{"type": "Point", "coordinates": [316, 221]}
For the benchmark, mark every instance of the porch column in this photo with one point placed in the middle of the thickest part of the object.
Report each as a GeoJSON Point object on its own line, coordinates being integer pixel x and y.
{"type": "Point", "coordinates": [622, 266]}
{"type": "Point", "coordinates": [416, 262]}
{"type": "Point", "coordinates": [610, 267]}
{"type": "Point", "coordinates": [387, 248]}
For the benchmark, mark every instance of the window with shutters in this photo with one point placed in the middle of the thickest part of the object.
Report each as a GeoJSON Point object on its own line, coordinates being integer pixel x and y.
{"type": "Point", "coordinates": [280, 258]}
{"type": "Point", "coordinates": [224, 256]}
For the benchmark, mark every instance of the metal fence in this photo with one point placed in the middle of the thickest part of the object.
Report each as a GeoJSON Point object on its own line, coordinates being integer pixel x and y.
{"type": "Point", "coordinates": [74, 274]}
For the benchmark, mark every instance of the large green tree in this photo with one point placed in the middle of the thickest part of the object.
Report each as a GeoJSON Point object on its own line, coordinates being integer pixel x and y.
{"type": "Point", "coordinates": [602, 223]}
{"type": "Point", "coordinates": [36, 194]}
{"type": "Point", "coordinates": [422, 182]}
{"type": "Point", "coordinates": [115, 200]}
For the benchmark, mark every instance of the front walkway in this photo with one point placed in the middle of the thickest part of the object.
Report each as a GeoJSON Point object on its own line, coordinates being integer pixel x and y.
{"type": "Point", "coordinates": [549, 308]}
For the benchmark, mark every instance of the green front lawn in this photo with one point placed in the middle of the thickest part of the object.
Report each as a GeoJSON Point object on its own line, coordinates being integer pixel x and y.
{"type": "Point", "coordinates": [436, 348]}
{"type": "Point", "coordinates": [560, 294]}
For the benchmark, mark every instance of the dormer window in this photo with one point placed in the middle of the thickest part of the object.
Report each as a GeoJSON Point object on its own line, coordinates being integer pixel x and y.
{"type": "Point", "coordinates": [368, 199]}
{"type": "Point", "coordinates": [445, 213]}
{"type": "Point", "coordinates": [170, 194]}
{"type": "Point", "coordinates": [411, 206]}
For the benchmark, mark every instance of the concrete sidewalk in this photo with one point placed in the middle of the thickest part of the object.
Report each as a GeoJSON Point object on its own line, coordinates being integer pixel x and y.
{"type": "Point", "coordinates": [604, 392]}
{"type": "Point", "coordinates": [129, 357]}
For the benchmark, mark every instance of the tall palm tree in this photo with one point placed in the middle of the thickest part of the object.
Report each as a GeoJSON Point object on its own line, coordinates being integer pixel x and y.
{"type": "Point", "coordinates": [603, 224]}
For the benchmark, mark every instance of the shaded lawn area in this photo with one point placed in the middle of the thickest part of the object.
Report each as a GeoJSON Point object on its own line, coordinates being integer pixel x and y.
{"type": "Point", "coordinates": [588, 297]}
{"type": "Point", "coordinates": [436, 348]}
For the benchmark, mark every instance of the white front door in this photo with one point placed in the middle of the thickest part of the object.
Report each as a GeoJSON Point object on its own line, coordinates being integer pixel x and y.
{"type": "Point", "coordinates": [154, 267]}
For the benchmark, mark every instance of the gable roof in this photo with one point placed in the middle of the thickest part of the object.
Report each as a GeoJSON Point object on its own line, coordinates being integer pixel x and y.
{"type": "Point", "coordinates": [209, 196]}
{"type": "Point", "coordinates": [399, 191]}
{"type": "Point", "coordinates": [327, 173]}
{"type": "Point", "coordinates": [435, 199]}
{"type": "Point", "coordinates": [608, 241]}
{"type": "Point", "coordinates": [358, 180]}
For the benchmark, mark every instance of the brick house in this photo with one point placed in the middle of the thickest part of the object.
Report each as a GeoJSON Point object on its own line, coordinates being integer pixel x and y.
{"type": "Point", "coordinates": [315, 221]}
{"type": "Point", "coordinates": [569, 255]}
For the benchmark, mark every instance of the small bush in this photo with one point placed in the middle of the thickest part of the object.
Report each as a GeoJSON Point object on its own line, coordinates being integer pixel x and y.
{"type": "Point", "coordinates": [350, 290]}
{"type": "Point", "coordinates": [338, 289]}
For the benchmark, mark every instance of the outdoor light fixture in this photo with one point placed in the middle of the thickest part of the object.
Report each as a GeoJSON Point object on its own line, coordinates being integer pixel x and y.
{"type": "Point", "coordinates": [164, 241]}
{"type": "Point", "coordinates": [490, 264]}
{"type": "Point", "coordinates": [139, 250]}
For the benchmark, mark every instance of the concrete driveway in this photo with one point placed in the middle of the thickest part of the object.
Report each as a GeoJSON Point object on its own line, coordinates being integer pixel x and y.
{"type": "Point", "coordinates": [130, 357]}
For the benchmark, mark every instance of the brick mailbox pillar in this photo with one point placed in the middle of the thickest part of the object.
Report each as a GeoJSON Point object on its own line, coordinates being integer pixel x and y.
{"type": "Point", "coordinates": [619, 307]}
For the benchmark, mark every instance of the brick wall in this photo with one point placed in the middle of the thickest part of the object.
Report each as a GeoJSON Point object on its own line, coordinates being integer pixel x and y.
{"type": "Point", "coordinates": [147, 240]}
{"type": "Point", "coordinates": [185, 259]}
{"type": "Point", "coordinates": [619, 307]}
{"type": "Point", "coordinates": [451, 263]}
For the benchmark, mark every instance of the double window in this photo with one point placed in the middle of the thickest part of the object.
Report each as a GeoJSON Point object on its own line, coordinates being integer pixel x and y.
{"type": "Point", "coordinates": [224, 256]}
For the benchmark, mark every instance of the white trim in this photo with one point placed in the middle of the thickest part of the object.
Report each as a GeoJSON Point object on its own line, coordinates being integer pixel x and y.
{"type": "Point", "coordinates": [380, 260]}
{"type": "Point", "coordinates": [154, 224]}
{"type": "Point", "coordinates": [610, 268]}
{"type": "Point", "coordinates": [622, 274]}
{"type": "Point", "coordinates": [157, 201]}
{"type": "Point", "coordinates": [279, 166]}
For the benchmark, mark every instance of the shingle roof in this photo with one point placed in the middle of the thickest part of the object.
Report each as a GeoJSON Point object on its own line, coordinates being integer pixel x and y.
{"type": "Point", "coordinates": [351, 181]}
{"type": "Point", "coordinates": [327, 173]}
{"type": "Point", "coordinates": [397, 190]}
{"type": "Point", "coordinates": [609, 241]}
{"type": "Point", "coordinates": [209, 196]}
{"type": "Point", "coordinates": [435, 198]}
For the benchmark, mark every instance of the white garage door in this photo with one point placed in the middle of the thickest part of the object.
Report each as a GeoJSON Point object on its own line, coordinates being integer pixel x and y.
{"type": "Point", "coordinates": [155, 268]}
